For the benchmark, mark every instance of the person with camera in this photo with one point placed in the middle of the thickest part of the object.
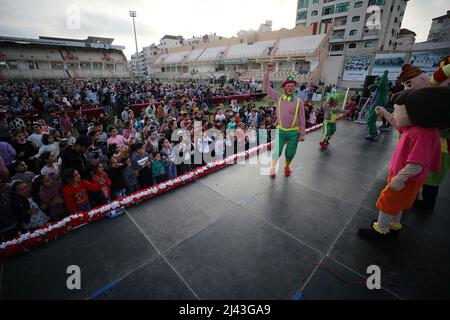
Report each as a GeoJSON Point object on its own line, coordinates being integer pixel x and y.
{"type": "Point", "coordinates": [98, 150]}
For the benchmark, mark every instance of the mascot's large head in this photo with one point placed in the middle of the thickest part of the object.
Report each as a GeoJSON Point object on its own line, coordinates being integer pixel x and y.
{"type": "Point", "coordinates": [441, 77]}
{"type": "Point", "coordinates": [289, 85]}
{"type": "Point", "coordinates": [409, 107]}
{"type": "Point", "coordinates": [414, 78]}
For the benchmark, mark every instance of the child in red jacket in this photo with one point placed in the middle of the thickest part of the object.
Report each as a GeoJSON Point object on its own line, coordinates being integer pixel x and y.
{"type": "Point", "coordinates": [99, 176]}
{"type": "Point", "coordinates": [75, 191]}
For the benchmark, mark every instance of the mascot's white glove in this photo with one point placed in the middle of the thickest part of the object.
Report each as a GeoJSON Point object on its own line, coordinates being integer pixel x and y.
{"type": "Point", "coordinates": [387, 115]}
{"type": "Point", "coordinates": [410, 170]}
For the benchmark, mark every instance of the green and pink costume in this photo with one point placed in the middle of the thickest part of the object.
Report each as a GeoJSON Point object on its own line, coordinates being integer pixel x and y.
{"type": "Point", "coordinates": [291, 121]}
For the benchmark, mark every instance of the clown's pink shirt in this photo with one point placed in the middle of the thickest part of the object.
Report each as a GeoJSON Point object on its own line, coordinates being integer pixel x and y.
{"type": "Point", "coordinates": [417, 145]}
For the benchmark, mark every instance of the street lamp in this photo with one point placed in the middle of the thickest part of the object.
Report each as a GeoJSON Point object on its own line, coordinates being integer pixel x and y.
{"type": "Point", "coordinates": [138, 69]}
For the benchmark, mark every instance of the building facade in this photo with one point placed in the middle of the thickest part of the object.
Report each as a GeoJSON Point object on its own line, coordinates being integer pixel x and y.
{"type": "Point", "coordinates": [359, 25]}
{"type": "Point", "coordinates": [61, 58]}
{"type": "Point", "coordinates": [297, 52]}
{"type": "Point", "coordinates": [169, 42]}
{"type": "Point", "coordinates": [406, 40]}
{"type": "Point", "coordinates": [440, 29]}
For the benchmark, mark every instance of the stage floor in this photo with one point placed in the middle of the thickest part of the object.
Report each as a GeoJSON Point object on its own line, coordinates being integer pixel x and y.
{"type": "Point", "coordinates": [237, 234]}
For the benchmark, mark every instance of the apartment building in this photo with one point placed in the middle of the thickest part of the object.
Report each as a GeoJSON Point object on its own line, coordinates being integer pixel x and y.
{"type": "Point", "coordinates": [360, 26]}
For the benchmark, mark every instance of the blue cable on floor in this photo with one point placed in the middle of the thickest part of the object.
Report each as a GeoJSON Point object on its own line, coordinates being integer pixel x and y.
{"type": "Point", "coordinates": [102, 290]}
{"type": "Point", "coordinates": [246, 201]}
{"type": "Point", "coordinates": [297, 296]}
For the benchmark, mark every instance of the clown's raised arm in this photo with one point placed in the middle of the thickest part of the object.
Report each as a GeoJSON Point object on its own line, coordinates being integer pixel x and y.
{"type": "Point", "coordinates": [270, 91]}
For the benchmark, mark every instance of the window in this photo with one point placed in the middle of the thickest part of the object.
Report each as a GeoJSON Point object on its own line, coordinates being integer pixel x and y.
{"type": "Point", "coordinates": [3, 65]}
{"type": "Point", "coordinates": [327, 10]}
{"type": "Point", "coordinates": [85, 65]}
{"type": "Point", "coordinates": [356, 18]}
{"type": "Point", "coordinates": [338, 34]}
{"type": "Point", "coordinates": [353, 33]}
{"type": "Point", "coordinates": [314, 13]}
{"type": "Point", "coordinates": [302, 4]}
{"type": "Point", "coordinates": [339, 22]}
{"type": "Point", "coordinates": [395, 20]}
{"type": "Point", "coordinates": [369, 45]}
{"type": "Point", "coordinates": [109, 66]}
{"type": "Point", "coordinates": [302, 15]}
{"type": "Point", "coordinates": [337, 47]}
{"type": "Point", "coordinates": [376, 2]}
{"type": "Point", "coordinates": [57, 65]}
{"type": "Point", "coordinates": [342, 7]}
{"type": "Point", "coordinates": [315, 1]}
{"type": "Point", "coordinates": [31, 65]}
{"type": "Point", "coordinates": [12, 64]}
{"type": "Point", "coordinates": [72, 66]}
{"type": "Point", "coordinates": [97, 66]}
{"type": "Point", "coordinates": [358, 4]}
{"type": "Point", "coordinates": [352, 45]}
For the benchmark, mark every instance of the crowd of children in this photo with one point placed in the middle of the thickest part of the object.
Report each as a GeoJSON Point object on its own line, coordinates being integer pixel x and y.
{"type": "Point", "coordinates": [47, 174]}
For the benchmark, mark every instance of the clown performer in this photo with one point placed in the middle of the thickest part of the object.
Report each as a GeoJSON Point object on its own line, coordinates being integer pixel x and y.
{"type": "Point", "coordinates": [418, 152]}
{"type": "Point", "coordinates": [381, 88]}
{"type": "Point", "coordinates": [329, 122]}
{"type": "Point", "coordinates": [430, 190]}
{"type": "Point", "coordinates": [291, 121]}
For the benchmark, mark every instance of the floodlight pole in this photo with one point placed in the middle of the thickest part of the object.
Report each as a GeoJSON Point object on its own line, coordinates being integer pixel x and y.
{"type": "Point", "coordinates": [138, 69]}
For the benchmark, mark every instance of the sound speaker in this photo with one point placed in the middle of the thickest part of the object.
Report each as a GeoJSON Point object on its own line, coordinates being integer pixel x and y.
{"type": "Point", "coordinates": [369, 80]}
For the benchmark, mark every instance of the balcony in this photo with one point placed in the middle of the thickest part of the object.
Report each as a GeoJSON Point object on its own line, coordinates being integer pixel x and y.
{"type": "Point", "coordinates": [337, 37]}
{"type": "Point", "coordinates": [370, 35]}
{"type": "Point", "coordinates": [340, 24]}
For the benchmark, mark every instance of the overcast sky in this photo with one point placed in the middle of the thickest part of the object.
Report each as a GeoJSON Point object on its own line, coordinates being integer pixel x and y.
{"type": "Point", "coordinates": [155, 18]}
